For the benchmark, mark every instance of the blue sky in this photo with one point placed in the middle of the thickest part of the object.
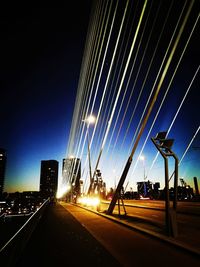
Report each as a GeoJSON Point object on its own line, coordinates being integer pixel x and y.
{"type": "Point", "coordinates": [41, 64]}
{"type": "Point", "coordinates": [181, 98]}
{"type": "Point", "coordinates": [41, 59]}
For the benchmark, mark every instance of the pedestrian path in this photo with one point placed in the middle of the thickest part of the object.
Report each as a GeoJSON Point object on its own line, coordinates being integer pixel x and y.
{"type": "Point", "coordinates": [60, 240]}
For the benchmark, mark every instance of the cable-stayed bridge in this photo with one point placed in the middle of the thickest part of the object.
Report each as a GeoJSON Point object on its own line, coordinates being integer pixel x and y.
{"type": "Point", "coordinates": [139, 76]}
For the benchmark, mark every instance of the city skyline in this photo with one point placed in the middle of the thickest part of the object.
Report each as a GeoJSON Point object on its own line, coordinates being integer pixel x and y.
{"type": "Point", "coordinates": [42, 75]}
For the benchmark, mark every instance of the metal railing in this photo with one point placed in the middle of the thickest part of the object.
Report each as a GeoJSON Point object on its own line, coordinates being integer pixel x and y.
{"type": "Point", "coordinates": [12, 250]}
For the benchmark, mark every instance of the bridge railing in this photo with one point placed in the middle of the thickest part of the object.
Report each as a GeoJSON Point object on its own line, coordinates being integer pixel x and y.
{"type": "Point", "coordinates": [11, 251]}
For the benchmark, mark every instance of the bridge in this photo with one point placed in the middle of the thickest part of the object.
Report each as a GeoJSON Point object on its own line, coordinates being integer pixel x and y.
{"type": "Point", "coordinates": [134, 122]}
{"type": "Point", "coordinates": [130, 90]}
{"type": "Point", "coordinates": [75, 235]}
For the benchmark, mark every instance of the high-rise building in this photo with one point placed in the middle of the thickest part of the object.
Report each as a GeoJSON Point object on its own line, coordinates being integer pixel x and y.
{"type": "Point", "coordinates": [71, 172]}
{"type": "Point", "coordinates": [3, 159]}
{"type": "Point", "coordinates": [49, 178]}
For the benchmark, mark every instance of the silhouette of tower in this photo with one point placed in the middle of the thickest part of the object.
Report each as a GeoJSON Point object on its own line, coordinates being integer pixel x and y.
{"type": "Point", "coordinates": [49, 178]}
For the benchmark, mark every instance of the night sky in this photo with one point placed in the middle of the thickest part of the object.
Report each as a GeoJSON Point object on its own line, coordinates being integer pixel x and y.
{"type": "Point", "coordinates": [41, 56]}
{"type": "Point", "coordinates": [132, 71]}
{"type": "Point", "coordinates": [41, 53]}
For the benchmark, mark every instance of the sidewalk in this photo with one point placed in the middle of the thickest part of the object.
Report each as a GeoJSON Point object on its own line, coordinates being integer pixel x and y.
{"type": "Point", "coordinates": [60, 240]}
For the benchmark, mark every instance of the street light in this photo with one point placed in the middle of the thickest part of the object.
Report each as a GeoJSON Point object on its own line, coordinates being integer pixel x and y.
{"type": "Point", "coordinates": [114, 173]}
{"type": "Point", "coordinates": [142, 158]}
{"type": "Point", "coordinates": [89, 120]}
{"type": "Point", "coordinates": [164, 147]}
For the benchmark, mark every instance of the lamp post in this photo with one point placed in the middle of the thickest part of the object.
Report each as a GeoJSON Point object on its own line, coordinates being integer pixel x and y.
{"type": "Point", "coordinates": [114, 173]}
{"type": "Point", "coordinates": [89, 120]}
{"type": "Point", "coordinates": [142, 158]}
{"type": "Point", "coordinates": [164, 147]}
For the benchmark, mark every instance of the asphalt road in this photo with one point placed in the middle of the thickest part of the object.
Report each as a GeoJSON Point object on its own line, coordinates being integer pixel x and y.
{"type": "Point", "coordinates": [186, 207]}
{"type": "Point", "coordinates": [129, 247]}
{"type": "Point", "coordinates": [152, 212]}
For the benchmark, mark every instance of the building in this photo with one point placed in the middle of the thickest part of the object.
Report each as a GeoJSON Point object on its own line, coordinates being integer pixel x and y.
{"type": "Point", "coordinates": [144, 188]}
{"type": "Point", "coordinates": [71, 172]}
{"type": "Point", "coordinates": [148, 189]}
{"type": "Point", "coordinates": [49, 178]}
{"type": "Point", "coordinates": [3, 160]}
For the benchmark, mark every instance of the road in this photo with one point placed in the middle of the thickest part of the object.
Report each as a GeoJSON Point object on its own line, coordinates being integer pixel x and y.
{"type": "Point", "coordinates": [129, 247]}
{"type": "Point", "coordinates": [152, 216]}
{"type": "Point", "coordinates": [68, 235]}
{"type": "Point", "coordinates": [187, 207]}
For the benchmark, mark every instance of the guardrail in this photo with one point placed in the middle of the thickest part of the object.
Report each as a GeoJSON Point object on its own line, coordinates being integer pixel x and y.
{"type": "Point", "coordinates": [11, 251]}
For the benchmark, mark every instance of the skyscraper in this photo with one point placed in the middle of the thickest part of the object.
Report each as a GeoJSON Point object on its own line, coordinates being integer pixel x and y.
{"type": "Point", "coordinates": [71, 172]}
{"type": "Point", "coordinates": [49, 178]}
{"type": "Point", "coordinates": [3, 159]}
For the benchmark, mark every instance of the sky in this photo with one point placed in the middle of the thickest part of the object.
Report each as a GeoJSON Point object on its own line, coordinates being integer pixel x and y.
{"type": "Point", "coordinates": [126, 66]}
{"type": "Point", "coordinates": [41, 53]}
{"type": "Point", "coordinates": [41, 65]}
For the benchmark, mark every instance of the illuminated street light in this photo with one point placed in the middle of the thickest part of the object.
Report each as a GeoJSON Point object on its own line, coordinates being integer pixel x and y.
{"type": "Point", "coordinates": [114, 173]}
{"type": "Point", "coordinates": [89, 120]}
{"type": "Point", "coordinates": [62, 191]}
{"type": "Point", "coordinates": [142, 158]}
{"type": "Point", "coordinates": [164, 147]}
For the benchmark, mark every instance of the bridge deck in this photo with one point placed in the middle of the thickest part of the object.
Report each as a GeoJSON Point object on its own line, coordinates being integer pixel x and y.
{"type": "Point", "coordinates": [60, 240]}
{"type": "Point", "coordinates": [70, 236]}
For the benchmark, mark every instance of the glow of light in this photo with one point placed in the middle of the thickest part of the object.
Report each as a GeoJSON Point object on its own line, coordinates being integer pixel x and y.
{"type": "Point", "coordinates": [90, 119]}
{"type": "Point", "coordinates": [62, 191]}
{"type": "Point", "coordinates": [142, 158]}
{"type": "Point", "coordinates": [89, 201]}
{"type": "Point", "coordinates": [143, 198]}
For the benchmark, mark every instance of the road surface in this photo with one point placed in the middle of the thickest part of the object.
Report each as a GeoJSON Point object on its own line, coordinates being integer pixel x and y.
{"type": "Point", "coordinates": [151, 215]}
{"type": "Point", "coordinates": [129, 247]}
{"type": "Point", "coordinates": [68, 235]}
